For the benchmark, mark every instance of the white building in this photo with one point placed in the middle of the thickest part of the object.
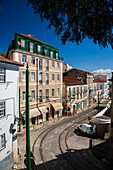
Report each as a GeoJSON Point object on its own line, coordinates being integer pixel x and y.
{"type": "Point", "coordinates": [102, 87]}
{"type": "Point", "coordinates": [9, 111]}
{"type": "Point", "coordinates": [75, 94]}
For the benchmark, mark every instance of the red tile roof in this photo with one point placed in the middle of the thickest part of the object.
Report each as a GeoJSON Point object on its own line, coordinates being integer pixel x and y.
{"type": "Point", "coordinates": [5, 60]}
{"type": "Point", "coordinates": [85, 72]}
{"type": "Point", "coordinates": [72, 80]}
{"type": "Point", "coordinates": [98, 81]}
{"type": "Point", "coordinates": [32, 38]}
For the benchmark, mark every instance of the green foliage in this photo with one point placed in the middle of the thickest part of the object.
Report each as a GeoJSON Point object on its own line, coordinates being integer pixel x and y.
{"type": "Point", "coordinates": [1, 10]}
{"type": "Point", "coordinates": [3, 54]}
{"type": "Point", "coordinates": [74, 20]}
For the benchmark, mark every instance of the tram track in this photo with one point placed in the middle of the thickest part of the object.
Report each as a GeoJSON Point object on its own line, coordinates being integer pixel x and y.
{"type": "Point", "coordinates": [45, 133]}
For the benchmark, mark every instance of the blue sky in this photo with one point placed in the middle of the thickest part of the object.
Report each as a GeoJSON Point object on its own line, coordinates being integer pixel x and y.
{"type": "Point", "coordinates": [18, 17]}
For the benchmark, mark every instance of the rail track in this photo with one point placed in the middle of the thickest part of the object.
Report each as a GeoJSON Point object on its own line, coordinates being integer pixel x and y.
{"type": "Point", "coordinates": [41, 137]}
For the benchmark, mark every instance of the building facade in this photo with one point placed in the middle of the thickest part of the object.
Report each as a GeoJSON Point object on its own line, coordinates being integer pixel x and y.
{"type": "Point", "coordinates": [75, 94]}
{"type": "Point", "coordinates": [85, 77]}
{"type": "Point", "coordinates": [9, 112]}
{"type": "Point", "coordinates": [102, 88]}
{"type": "Point", "coordinates": [45, 76]}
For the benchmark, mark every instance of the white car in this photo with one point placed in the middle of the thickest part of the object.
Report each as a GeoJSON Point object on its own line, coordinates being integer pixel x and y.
{"type": "Point", "coordinates": [87, 129]}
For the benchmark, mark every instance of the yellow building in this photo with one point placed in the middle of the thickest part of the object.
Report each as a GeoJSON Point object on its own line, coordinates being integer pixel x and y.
{"type": "Point", "coordinates": [45, 67]}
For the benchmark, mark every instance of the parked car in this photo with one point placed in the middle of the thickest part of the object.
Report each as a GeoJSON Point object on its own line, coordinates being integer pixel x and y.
{"type": "Point", "coordinates": [87, 129]}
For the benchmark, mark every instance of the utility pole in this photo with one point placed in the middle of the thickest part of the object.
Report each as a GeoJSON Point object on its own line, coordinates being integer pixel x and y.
{"type": "Point", "coordinates": [28, 152]}
{"type": "Point", "coordinates": [98, 102]}
{"type": "Point", "coordinates": [19, 113]}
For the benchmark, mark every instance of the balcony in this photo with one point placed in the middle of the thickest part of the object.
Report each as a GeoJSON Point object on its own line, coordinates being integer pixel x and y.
{"type": "Point", "coordinates": [47, 68]}
{"type": "Point", "coordinates": [40, 81]}
{"type": "Point", "coordinates": [47, 81]}
{"type": "Point", "coordinates": [40, 67]}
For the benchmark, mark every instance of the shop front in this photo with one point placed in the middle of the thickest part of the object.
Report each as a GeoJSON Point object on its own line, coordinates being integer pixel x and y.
{"type": "Point", "coordinates": [56, 110]}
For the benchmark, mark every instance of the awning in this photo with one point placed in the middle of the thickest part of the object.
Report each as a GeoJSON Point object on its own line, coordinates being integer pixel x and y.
{"type": "Point", "coordinates": [57, 106]}
{"type": "Point", "coordinates": [43, 110]}
{"type": "Point", "coordinates": [33, 113]}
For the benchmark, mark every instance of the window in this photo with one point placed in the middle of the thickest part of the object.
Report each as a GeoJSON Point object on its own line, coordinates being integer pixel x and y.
{"type": "Point", "coordinates": [23, 76]}
{"type": "Point", "coordinates": [56, 55]}
{"type": "Point", "coordinates": [32, 76]}
{"type": "Point", "coordinates": [2, 109]}
{"type": "Point", "coordinates": [2, 141]}
{"type": "Point", "coordinates": [47, 78]}
{"type": "Point", "coordinates": [53, 77]}
{"type": "Point", "coordinates": [32, 60]}
{"type": "Point", "coordinates": [40, 96]}
{"type": "Point", "coordinates": [70, 91]}
{"type": "Point", "coordinates": [2, 75]}
{"type": "Point", "coordinates": [47, 64]}
{"type": "Point", "coordinates": [45, 50]}
{"type": "Point", "coordinates": [31, 47]}
{"type": "Point", "coordinates": [47, 94]}
{"type": "Point", "coordinates": [74, 91]}
{"type": "Point", "coordinates": [58, 77]}
{"type": "Point", "coordinates": [81, 92]}
{"type": "Point", "coordinates": [58, 90]}
{"type": "Point", "coordinates": [32, 94]}
{"type": "Point", "coordinates": [53, 92]}
{"type": "Point", "coordinates": [101, 86]}
{"type": "Point", "coordinates": [40, 78]}
{"type": "Point", "coordinates": [77, 92]}
{"type": "Point", "coordinates": [23, 95]}
{"type": "Point", "coordinates": [40, 64]}
{"type": "Point", "coordinates": [53, 64]}
{"type": "Point", "coordinates": [38, 48]}
{"type": "Point", "coordinates": [51, 54]}
{"type": "Point", "coordinates": [58, 65]}
{"type": "Point", "coordinates": [22, 43]}
{"type": "Point", "coordinates": [24, 59]}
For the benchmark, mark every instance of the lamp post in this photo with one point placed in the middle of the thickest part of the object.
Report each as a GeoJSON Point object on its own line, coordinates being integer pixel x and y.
{"type": "Point", "coordinates": [19, 113]}
{"type": "Point", "coordinates": [28, 152]}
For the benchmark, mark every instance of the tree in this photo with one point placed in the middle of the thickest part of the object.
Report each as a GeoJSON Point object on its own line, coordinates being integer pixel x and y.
{"type": "Point", "coordinates": [3, 54]}
{"type": "Point", "coordinates": [74, 20]}
{"type": "Point", "coordinates": [1, 10]}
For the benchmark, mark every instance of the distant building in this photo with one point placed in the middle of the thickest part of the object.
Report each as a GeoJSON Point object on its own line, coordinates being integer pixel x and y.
{"type": "Point", "coordinates": [100, 77]}
{"type": "Point", "coordinates": [85, 77]}
{"type": "Point", "coordinates": [45, 67]}
{"type": "Point", "coordinates": [103, 87]}
{"type": "Point", "coordinates": [9, 111]}
{"type": "Point", "coordinates": [103, 84]}
{"type": "Point", "coordinates": [75, 95]}
{"type": "Point", "coordinates": [66, 67]}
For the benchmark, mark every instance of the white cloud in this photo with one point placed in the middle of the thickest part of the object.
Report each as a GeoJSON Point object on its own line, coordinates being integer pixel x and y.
{"type": "Point", "coordinates": [102, 71]}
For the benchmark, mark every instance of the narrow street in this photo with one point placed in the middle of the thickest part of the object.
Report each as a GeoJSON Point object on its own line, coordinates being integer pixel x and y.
{"type": "Point", "coordinates": [58, 145]}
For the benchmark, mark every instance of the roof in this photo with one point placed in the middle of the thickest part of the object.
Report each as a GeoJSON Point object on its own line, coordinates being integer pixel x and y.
{"type": "Point", "coordinates": [32, 38]}
{"type": "Point", "coordinates": [98, 81]}
{"type": "Point", "coordinates": [7, 61]}
{"type": "Point", "coordinates": [28, 36]}
{"type": "Point", "coordinates": [85, 72]}
{"type": "Point", "coordinates": [72, 80]}
{"type": "Point", "coordinates": [100, 77]}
